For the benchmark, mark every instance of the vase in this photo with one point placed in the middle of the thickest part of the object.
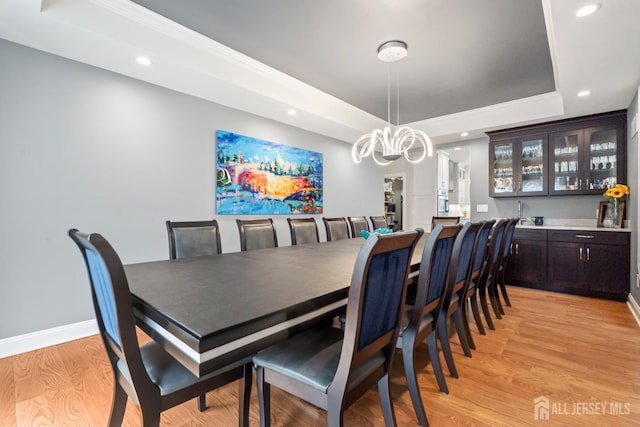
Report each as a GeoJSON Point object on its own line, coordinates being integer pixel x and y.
{"type": "Point", "coordinates": [611, 217]}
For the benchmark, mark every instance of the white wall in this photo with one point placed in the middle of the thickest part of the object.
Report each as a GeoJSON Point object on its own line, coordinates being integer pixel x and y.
{"type": "Point", "coordinates": [86, 148]}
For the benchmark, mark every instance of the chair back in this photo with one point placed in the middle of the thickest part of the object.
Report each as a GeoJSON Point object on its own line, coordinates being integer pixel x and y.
{"type": "Point", "coordinates": [434, 271]}
{"type": "Point", "coordinates": [462, 258]}
{"type": "Point", "coordinates": [375, 302]}
{"type": "Point", "coordinates": [480, 254]}
{"type": "Point", "coordinates": [506, 240]}
{"type": "Point", "coordinates": [337, 228]}
{"type": "Point", "coordinates": [378, 222]}
{"type": "Point", "coordinates": [444, 220]}
{"type": "Point", "coordinates": [257, 234]}
{"type": "Point", "coordinates": [493, 252]}
{"type": "Point", "coordinates": [358, 224]}
{"type": "Point", "coordinates": [193, 238]}
{"type": "Point", "coordinates": [114, 312]}
{"type": "Point", "coordinates": [303, 230]}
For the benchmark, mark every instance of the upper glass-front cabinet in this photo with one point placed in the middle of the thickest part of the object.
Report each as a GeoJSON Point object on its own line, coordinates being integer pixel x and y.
{"type": "Point", "coordinates": [584, 155]}
{"type": "Point", "coordinates": [586, 161]}
{"type": "Point", "coordinates": [519, 167]}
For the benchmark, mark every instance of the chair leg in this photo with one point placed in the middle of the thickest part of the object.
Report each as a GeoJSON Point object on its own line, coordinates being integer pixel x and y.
{"type": "Point", "coordinates": [264, 398]}
{"type": "Point", "coordinates": [244, 394]}
{"type": "Point", "coordinates": [385, 401]}
{"type": "Point", "coordinates": [202, 403]}
{"type": "Point", "coordinates": [118, 406]}
{"type": "Point", "coordinates": [465, 324]}
{"type": "Point", "coordinates": [462, 333]}
{"type": "Point", "coordinates": [435, 362]}
{"type": "Point", "coordinates": [446, 348]}
{"type": "Point", "coordinates": [485, 309]}
{"type": "Point", "coordinates": [408, 357]}
{"type": "Point", "coordinates": [503, 289]}
{"type": "Point", "coordinates": [493, 298]}
{"type": "Point", "coordinates": [150, 417]}
{"type": "Point", "coordinates": [476, 314]}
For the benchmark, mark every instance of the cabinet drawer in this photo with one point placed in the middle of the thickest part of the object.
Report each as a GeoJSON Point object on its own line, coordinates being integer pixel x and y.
{"type": "Point", "coordinates": [599, 237]}
{"type": "Point", "coordinates": [528, 234]}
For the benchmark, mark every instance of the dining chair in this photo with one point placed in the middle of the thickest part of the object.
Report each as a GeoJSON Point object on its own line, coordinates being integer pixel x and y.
{"type": "Point", "coordinates": [378, 222]}
{"type": "Point", "coordinates": [444, 220]}
{"type": "Point", "coordinates": [505, 251]}
{"type": "Point", "coordinates": [470, 293]}
{"type": "Point", "coordinates": [303, 230]}
{"type": "Point", "coordinates": [257, 234]}
{"type": "Point", "coordinates": [337, 229]}
{"type": "Point", "coordinates": [358, 224]}
{"type": "Point", "coordinates": [193, 238]}
{"type": "Point", "coordinates": [460, 268]}
{"type": "Point", "coordinates": [147, 374]}
{"type": "Point", "coordinates": [331, 368]}
{"type": "Point", "coordinates": [423, 312]}
{"type": "Point", "coordinates": [489, 271]}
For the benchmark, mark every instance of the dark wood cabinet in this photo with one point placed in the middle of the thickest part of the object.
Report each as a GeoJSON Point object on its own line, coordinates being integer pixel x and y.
{"type": "Point", "coordinates": [528, 258]}
{"type": "Point", "coordinates": [589, 263]}
{"type": "Point", "coordinates": [518, 166]}
{"type": "Point", "coordinates": [584, 155]}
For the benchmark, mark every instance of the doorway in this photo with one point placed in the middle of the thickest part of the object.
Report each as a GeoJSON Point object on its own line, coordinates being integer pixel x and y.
{"type": "Point", "coordinates": [394, 209]}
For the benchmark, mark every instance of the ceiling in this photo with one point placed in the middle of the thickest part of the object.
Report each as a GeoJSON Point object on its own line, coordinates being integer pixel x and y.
{"type": "Point", "coordinates": [471, 66]}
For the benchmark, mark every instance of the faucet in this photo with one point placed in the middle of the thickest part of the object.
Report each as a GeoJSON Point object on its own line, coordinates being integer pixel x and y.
{"type": "Point", "coordinates": [520, 211]}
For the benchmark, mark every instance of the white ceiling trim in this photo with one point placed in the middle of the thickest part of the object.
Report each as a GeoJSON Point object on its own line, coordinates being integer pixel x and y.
{"type": "Point", "coordinates": [110, 33]}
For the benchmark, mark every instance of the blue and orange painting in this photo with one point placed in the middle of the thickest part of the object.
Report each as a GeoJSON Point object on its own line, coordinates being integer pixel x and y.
{"type": "Point", "coordinates": [256, 177]}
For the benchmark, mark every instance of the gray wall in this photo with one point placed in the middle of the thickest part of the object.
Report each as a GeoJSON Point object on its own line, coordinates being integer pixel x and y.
{"type": "Point", "coordinates": [83, 147]}
{"type": "Point", "coordinates": [633, 204]}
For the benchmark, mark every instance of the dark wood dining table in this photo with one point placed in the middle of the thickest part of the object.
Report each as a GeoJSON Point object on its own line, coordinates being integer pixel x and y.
{"type": "Point", "coordinates": [213, 310]}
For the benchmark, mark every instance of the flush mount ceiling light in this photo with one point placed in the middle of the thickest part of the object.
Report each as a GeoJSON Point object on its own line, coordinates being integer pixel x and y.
{"type": "Point", "coordinates": [583, 93]}
{"type": "Point", "coordinates": [413, 144]}
{"type": "Point", "coordinates": [587, 10]}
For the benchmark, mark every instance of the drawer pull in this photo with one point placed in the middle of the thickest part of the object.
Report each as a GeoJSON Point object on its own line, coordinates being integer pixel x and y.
{"type": "Point", "coordinates": [584, 236]}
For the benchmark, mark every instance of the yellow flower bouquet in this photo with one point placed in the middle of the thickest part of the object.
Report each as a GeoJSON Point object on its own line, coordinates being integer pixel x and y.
{"type": "Point", "coordinates": [614, 214]}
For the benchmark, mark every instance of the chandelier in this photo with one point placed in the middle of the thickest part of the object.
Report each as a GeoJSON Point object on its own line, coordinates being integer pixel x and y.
{"type": "Point", "coordinates": [413, 144]}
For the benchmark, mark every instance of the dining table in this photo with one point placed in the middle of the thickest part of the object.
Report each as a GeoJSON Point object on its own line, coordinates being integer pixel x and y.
{"type": "Point", "coordinates": [211, 311]}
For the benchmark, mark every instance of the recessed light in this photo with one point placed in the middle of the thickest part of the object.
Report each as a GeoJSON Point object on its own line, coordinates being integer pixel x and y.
{"type": "Point", "coordinates": [291, 112]}
{"type": "Point", "coordinates": [457, 149]}
{"type": "Point", "coordinates": [587, 10]}
{"type": "Point", "coordinates": [584, 93]}
{"type": "Point", "coordinates": [464, 134]}
{"type": "Point", "coordinates": [143, 60]}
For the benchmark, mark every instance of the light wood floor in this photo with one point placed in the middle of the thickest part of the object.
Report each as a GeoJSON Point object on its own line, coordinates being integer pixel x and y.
{"type": "Point", "coordinates": [575, 351]}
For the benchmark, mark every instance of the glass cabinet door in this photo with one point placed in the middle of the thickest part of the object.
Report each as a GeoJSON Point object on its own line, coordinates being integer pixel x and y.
{"type": "Point", "coordinates": [532, 173]}
{"type": "Point", "coordinates": [502, 160]}
{"type": "Point", "coordinates": [602, 158]}
{"type": "Point", "coordinates": [566, 175]}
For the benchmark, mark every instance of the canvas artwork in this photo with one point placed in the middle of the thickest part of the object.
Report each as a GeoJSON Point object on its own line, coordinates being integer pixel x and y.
{"type": "Point", "coordinates": [255, 177]}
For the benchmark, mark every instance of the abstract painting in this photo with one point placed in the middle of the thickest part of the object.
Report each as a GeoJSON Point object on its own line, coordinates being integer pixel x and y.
{"type": "Point", "coordinates": [256, 177]}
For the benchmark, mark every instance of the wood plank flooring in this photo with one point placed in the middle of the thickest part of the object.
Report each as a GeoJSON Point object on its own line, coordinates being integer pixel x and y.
{"type": "Point", "coordinates": [579, 353]}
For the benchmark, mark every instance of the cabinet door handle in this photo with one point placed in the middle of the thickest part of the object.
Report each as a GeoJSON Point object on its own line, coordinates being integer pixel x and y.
{"type": "Point", "coordinates": [586, 187]}
{"type": "Point", "coordinates": [580, 254]}
{"type": "Point", "coordinates": [588, 254]}
{"type": "Point", "coordinates": [517, 249]}
{"type": "Point", "coordinates": [580, 184]}
{"type": "Point", "coordinates": [584, 236]}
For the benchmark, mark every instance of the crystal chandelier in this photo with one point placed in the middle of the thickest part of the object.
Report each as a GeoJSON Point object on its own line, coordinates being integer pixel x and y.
{"type": "Point", "coordinates": [413, 144]}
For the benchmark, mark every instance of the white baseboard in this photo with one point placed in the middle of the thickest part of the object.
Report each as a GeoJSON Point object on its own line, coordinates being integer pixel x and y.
{"type": "Point", "coordinates": [634, 308]}
{"type": "Point", "coordinates": [47, 337]}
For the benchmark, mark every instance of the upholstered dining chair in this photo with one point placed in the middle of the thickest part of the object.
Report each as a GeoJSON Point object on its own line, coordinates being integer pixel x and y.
{"type": "Point", "coordinates": [378, 222]}
{"type": "Point", "coordinates": [460, 268]}
{"type": "Point", "coordinates": [357, 225]}
{"type": "Point", "coordinates": [505, 251]}
{"type": "Point", "coordinates": [193, 238]}
{"type": "Point", "coordinates": [444, 220]}
{"type": "Point", "coordinates": [303, 230]}
{"type": "Point", "coordinates": [490, 271]}
{"type": "Point", "coordinates": [470, 293]}
{"type": "Point", "coordinates": [147, 374]}
{"type": "Point", "coordinates": [332, 368]}
{"type": "Point", "coordinates": [257, 234]}
{"type": "Point", "coordinates": [337, 229]}
{"type": "Point", "coordinates": [422, 315]}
